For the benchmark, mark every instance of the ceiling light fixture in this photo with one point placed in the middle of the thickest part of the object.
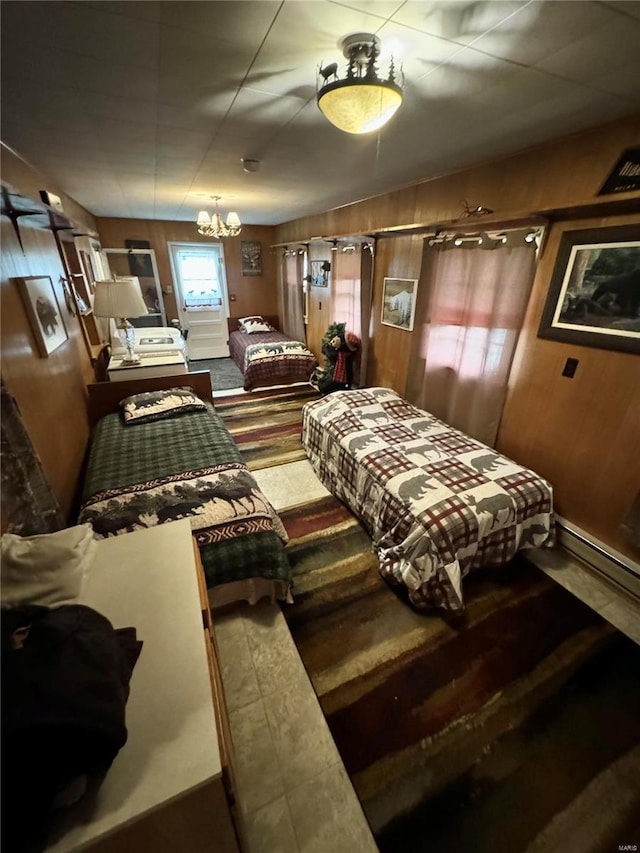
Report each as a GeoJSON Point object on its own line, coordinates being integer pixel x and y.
{"type": "Point", "coordinates": [213, 226]}
{"type": "Point", "coordinates": [361, 101]}
{"type": "Point", "coordinates": [250, 165]}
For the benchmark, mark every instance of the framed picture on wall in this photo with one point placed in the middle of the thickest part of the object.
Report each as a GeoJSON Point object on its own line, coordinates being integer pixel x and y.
{"type": "Point", "coordinates": [399, 302]}
{"type": "Point", "coordinates": [594, 296]}
{"type": "Point", "coordinates": [319, 271]}
{"type": "Point", "coordinates": [251, 257]}
{"type": "Point", "coordinates": [43, 310]}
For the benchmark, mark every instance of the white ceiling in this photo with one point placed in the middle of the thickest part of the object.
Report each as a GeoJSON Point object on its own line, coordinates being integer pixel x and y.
{"type": "Point", "coordinates": [145, 109]}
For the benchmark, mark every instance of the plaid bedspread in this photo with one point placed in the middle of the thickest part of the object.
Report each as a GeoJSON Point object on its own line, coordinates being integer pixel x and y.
{"type": "Point", "coordinates": [271, 358]}
{"type": "Point", "coordinates": [436, 502]}
{"type": "Point", "coordinates": [148, 462]}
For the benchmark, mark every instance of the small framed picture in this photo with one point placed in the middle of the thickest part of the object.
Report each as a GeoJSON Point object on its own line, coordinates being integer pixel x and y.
{"type": "Point", "coordinates": [251, 257]}
{"type": "Point", "coordinates": [399, 302]}
{"type": "Point", "coordinates": [43, 310]}
{"type": "Point", "coordinates": [319, 271]}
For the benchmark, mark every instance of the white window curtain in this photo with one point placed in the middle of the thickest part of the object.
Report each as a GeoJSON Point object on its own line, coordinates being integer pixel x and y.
{"type": "Point", "coordinates": [352, 287]}
{"type": "Point", "coordinates": [470, 307]}
{"type": "Point", "coordinates": [292, 272]}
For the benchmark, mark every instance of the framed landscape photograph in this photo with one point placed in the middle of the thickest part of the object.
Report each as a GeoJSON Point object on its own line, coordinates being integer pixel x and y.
{"type": "Point", "coordinates": [399, 302]}
{"type": "Point", "coordinates": [43, 310]}
{"type": "Point", "coordinates": [251, 257]}
{"type": "Point", "coordinates": [594, 297]}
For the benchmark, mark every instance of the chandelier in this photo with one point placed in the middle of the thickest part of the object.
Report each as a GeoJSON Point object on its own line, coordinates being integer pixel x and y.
{"type": "Point", "coordinates": [361, 101]}
{"type": "Point", "coordinates": [213, 226]}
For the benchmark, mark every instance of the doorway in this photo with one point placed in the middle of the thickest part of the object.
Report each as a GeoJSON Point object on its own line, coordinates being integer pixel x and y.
{"type": "Point", "coordinates": [201, 295]}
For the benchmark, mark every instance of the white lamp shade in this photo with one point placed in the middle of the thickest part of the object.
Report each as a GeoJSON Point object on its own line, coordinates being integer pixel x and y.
{"type": "Point", "coordinates": [119, 298]}
{"type": "Point", "coordinates": [233, 220]}
{"type": "Point", "coordinates": [203, 218]}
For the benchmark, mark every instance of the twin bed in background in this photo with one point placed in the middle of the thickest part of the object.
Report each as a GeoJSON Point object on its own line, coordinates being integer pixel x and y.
{"type": "Point", "coordinates": [437, 503]}
{"type": "Point", "coordinates": [266, 356]}
{"type": "Point", "coordinates": [174, 458]}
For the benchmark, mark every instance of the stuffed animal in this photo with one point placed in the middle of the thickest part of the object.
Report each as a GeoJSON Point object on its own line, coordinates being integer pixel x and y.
{"type": "Point", "coordinates": [339, 348]}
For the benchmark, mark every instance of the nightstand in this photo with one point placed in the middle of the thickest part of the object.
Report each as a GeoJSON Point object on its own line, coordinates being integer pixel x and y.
{"type": "Point", "coordinates": [162, 364]}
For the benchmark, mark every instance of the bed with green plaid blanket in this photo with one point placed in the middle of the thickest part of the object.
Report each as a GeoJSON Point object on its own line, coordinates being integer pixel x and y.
{"type": "Point", "coordinates": [185, 466]}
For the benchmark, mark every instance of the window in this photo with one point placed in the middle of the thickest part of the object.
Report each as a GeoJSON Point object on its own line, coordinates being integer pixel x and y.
{"type": "Point", "coordinates": [346, 290]}
{"type": "Point", "coordinates": [198, 272]}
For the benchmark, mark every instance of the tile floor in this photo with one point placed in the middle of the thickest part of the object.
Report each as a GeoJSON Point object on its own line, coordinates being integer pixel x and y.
{"type": "Point", "coordinates": [294, 792]}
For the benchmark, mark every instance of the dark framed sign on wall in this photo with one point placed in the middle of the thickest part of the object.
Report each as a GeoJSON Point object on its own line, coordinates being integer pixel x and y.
{"type": "Point", "coordinates": [625, 175]}
{"type": "Point", "coordinates": [594, 296]}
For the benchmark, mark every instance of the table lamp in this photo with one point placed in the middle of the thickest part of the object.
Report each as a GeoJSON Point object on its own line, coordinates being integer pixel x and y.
{"type": "Point", "coordinates": [120, 298]}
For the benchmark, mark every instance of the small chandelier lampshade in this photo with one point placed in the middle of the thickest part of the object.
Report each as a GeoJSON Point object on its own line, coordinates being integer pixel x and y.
{"type": "Point", "coordinates": [213, 226]}
{"type": "Point", "coordinates": [361, 101]}
{"type": "Point", "coordinates": [121, 298]}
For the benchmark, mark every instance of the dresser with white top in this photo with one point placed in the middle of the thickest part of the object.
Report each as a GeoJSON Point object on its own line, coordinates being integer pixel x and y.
{"type": "Point", "coordinates": [170, 787]}
{"type": "Point", "coordinates": [150, 364]}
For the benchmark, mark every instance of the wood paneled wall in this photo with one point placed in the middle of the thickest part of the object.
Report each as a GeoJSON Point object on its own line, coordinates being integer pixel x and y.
{"type": "Point", "coordinates": [247, 294]}
{"type": "Point", "coordinates": [565, 173]}
{"type": "Point", "coordinates": [395, 257]}
{"type": "Point", "coordinates": [50, 391]}
{"type": "Point", "coordinates": [583, 434]}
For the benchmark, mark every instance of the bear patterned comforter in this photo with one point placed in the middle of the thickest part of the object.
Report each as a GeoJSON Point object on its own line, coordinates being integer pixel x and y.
{"type": "Point", "coordinates": [436, 502]}
{"type": "Point", "coordinates": [271, 358]}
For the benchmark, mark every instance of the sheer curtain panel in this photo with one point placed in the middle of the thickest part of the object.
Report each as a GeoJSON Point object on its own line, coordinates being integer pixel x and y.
{"type": "Point", "coordinates": [352, 295]}
{"type": "Point", "coordinates": [291, 295]}
{"type": "Point", "coordinates": [470, 307]}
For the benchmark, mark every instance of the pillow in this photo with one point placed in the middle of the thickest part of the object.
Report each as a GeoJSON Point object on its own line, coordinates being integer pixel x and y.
{"type": "Point", "coordinates": [156, 405]}
{"type": "Point", "coordinates": [48, 569]}
{"type": "Point", "coordinates": [258, 317]}
{"type": "Point", "coordinates": [250, 326]}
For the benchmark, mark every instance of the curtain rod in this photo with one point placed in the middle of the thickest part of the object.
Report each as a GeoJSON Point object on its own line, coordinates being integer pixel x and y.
{"type": "Point", "coordinates": [490, 237]}
{"type": "Point", "coordinates": [502, 222]}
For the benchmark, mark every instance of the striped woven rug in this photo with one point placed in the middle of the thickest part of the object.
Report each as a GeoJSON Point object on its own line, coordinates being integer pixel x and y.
{"type": "Point", "coordinates": [513, 729]}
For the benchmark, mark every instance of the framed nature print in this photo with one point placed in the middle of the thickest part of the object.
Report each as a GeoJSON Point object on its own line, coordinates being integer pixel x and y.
{"type": "Point", "coordinates": [251, 257]}
{"type": "Point", "coordinates": [319, 271]}
{"type": "Point", "coordinates": [594, 296]}
{"type": "Point", "coordinates": [43, 311]}
{"type": "Point", "coordinates": [399, 302]}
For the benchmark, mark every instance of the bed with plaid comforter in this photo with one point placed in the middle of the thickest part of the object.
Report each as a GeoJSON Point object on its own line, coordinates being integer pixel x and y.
{"type": "Point", "coordinates": [186, 466]}
{"type": "Point", "coordinates": [270, 358]}
{"type": "Point", "coordinates": [436, 502]}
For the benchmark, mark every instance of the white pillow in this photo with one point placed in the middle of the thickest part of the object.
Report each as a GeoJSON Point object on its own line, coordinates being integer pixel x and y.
{"type": "Point", "coordinates": [251, 326]}
{"type": "Point", "coordinates": [243, 320]}
{"type": "Point", "coordinates": [47, 569]}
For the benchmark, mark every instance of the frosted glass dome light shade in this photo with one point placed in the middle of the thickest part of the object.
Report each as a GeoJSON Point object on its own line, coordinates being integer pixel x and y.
{"type": "Point", "coordinates": [361, 101]}
{"type": "Point", "coordinates": [358, 106]}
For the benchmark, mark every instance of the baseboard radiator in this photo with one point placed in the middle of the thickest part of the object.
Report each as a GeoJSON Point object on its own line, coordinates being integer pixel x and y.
{"type": "Point", "coordinates": [617, 568]}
